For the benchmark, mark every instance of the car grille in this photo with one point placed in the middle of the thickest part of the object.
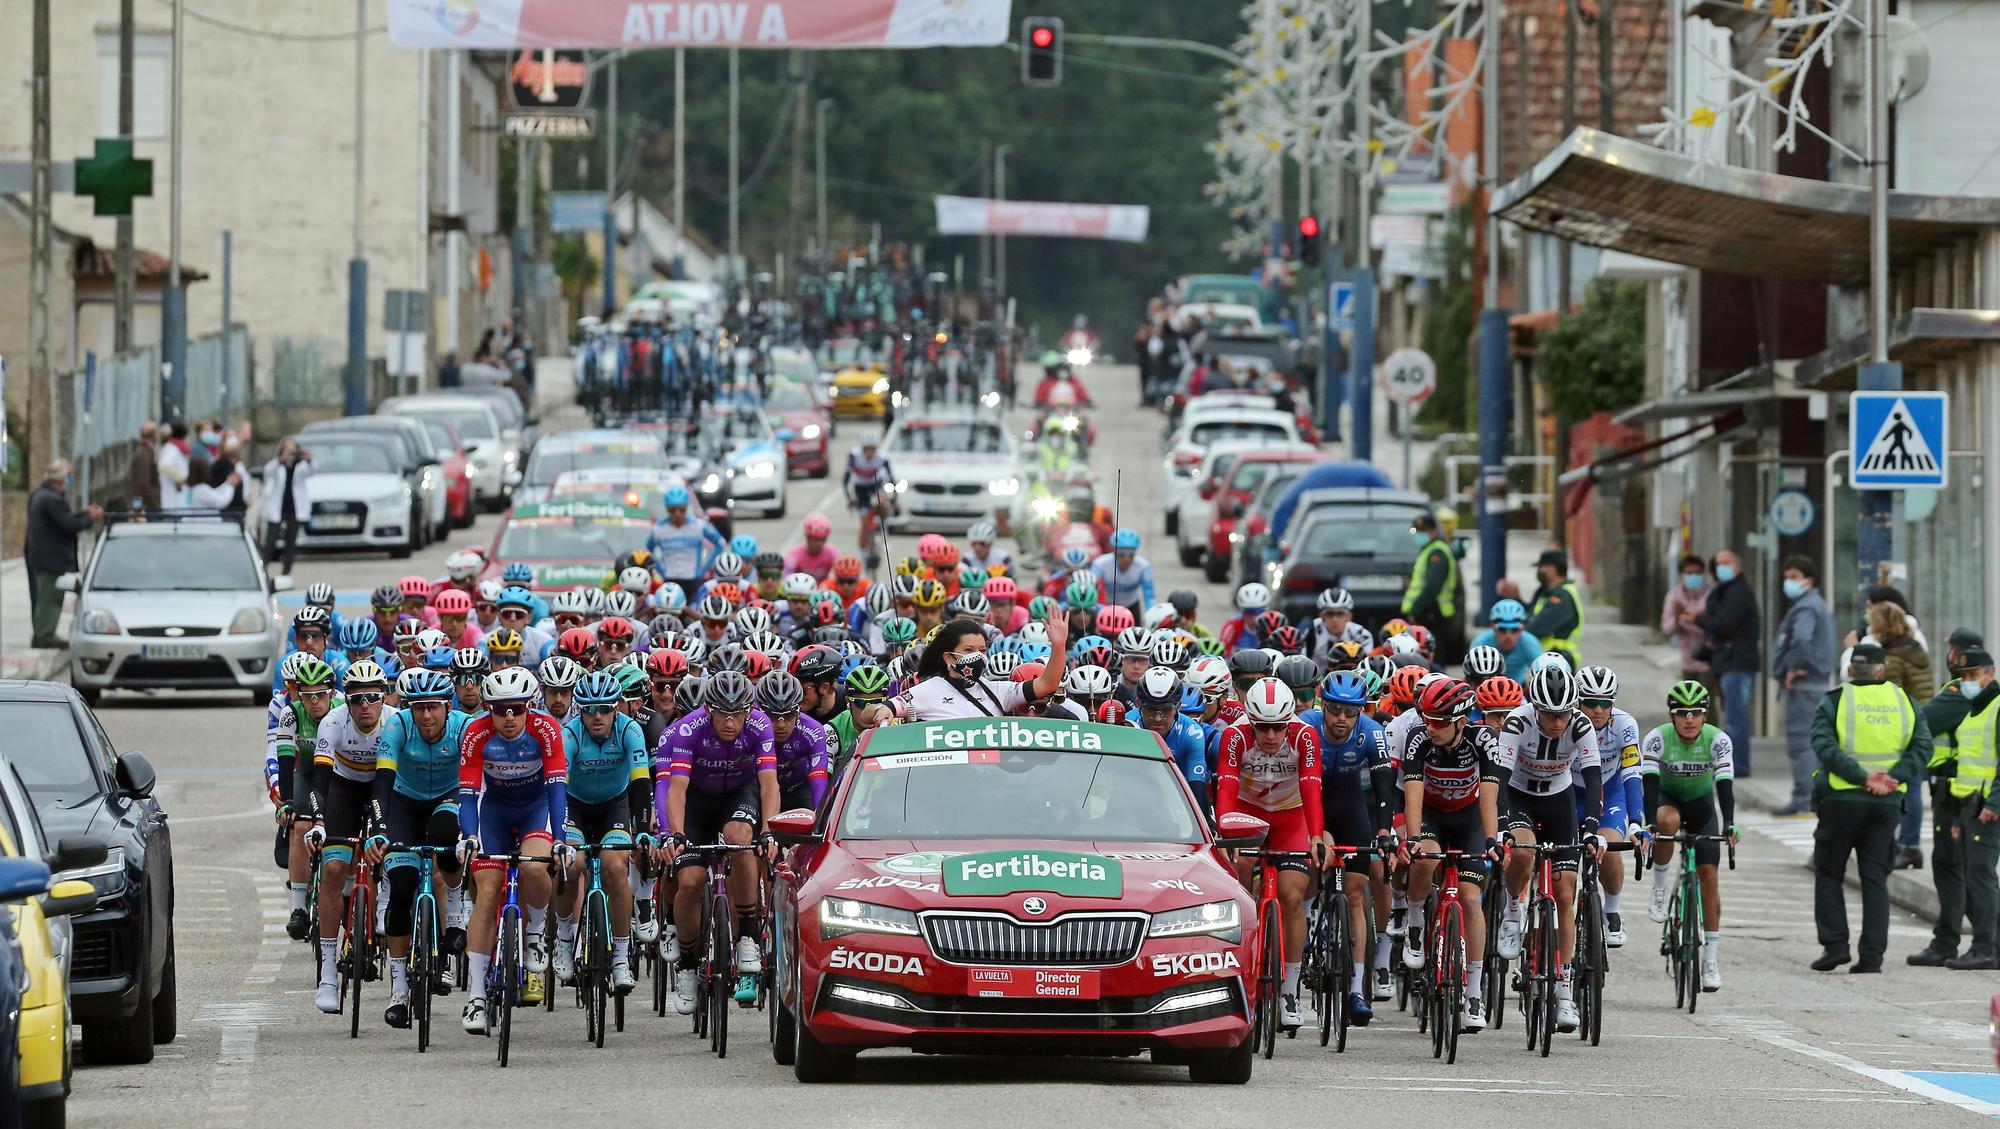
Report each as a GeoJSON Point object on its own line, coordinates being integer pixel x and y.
{"type": "Point", "coordinates": [97, 953]}
{"type": "Point", "coordinates": [1085, 938]}
{"type": "Point", "coordinates": [1112, 1013]}
{"type": "Point", "coordinates": [962, 489]}
{"type": "Point", "coordinates": [175, 670]}
{"type": "Point", "coordinates": [356, 510]}
{"type": "Point", "coordinates": [168, 632]}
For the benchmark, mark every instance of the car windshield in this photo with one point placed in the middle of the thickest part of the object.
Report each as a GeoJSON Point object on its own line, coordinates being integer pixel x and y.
{"type": "Point", "coordinates": [1275, 485]}
{"type": "Point", "coordinates": [175, 563]}
{"type": "Point", "coordinates": [1354, 535]}
{"type": "Point", "coordinates": [930, 437]}
{"type": "Point", "coordinates": [1221, 291]}
{"type": "Point", "coordinates": [570, 539]}
{"type": "Point", "coordinates": [47, 749]}
{"type": "Point", "coordinates": [1215, 430]}
{"type": "Point", "coordinates": [785, 396]}
{"type": "Point", "coordinates": [549, 462]}
{"type": "Point", "coordinates": [350, 457]}
{"type": "Point", "coordinates": [1247, 477]}
{"type": "Point", "coordinates": [440, 433]}
{"type": "Point", "coordinates": [470, 424]}
{"type": "Point", "coordinates": [1023, 795]}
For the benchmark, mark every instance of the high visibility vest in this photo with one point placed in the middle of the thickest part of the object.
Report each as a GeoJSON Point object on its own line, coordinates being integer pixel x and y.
{"type": "Point", "coordinates": [1448, 598]}
{"type": "Point", "coordinates": [1944, 746]}
{"type": "Point", "coordinates": [1977, 752]}
{"type": "Point", "coordinates": [1566, 644]}
{"type": "Point", "coordinates": [1874, 723]}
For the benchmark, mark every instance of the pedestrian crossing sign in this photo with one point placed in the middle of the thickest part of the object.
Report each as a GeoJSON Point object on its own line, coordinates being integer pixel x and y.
{"type": "Point", "coordinates": [1900, 440]}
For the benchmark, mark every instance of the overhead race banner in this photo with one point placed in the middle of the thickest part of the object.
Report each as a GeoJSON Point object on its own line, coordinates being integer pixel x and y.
{"type": "Point", "coordinates": [819, 24]}
{"type": "Point", "coordinates": [971, 215]}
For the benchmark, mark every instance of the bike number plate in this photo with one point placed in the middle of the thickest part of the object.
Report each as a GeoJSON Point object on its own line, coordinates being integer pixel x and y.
{"type": "Point", "coordinates": [1032, 983]}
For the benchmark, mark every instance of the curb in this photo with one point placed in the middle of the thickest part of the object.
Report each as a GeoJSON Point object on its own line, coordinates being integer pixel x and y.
{"type": "Point", "coordinates": [49, 665]}
{"type": "Point", "coordinates": [1906, 892]}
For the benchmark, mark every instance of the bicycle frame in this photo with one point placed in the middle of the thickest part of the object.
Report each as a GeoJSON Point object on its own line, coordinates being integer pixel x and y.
{"type": "Point", "coordinates": [1681, 935]}
{"type": "Point", "coordinates": [426, 944]}
{"type": "Point", "coordinates": [1444, 959]}
{"type": "Point", "coordinates": [507, 975]}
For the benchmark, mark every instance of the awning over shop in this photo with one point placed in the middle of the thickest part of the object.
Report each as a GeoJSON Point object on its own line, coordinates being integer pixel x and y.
{"type": "Point", "coordinates": [1711, 402]}
{"type": "Point", "coordinates": [1924, 335]}
{"type": "Point", "coordinates": [1608, 191]}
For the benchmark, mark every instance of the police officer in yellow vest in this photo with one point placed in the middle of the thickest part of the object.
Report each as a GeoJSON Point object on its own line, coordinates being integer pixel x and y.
{"type": "Point", "coordinates": [1871, 742]}
{"type": "Point", "coordinates": [1431, 598]}
{"type": "Point", "coordinates": [1966, 850]}
{"type": "Point", "coordinates": [1555, 615]}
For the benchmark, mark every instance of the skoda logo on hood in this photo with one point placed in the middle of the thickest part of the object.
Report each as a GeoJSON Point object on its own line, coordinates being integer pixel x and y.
{"type": "Point", "coordinates": [1034, 907]}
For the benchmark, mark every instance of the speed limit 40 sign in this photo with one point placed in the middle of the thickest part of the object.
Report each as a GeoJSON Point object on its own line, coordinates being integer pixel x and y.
{"type": "Point", "coordinates": [1409, 376]}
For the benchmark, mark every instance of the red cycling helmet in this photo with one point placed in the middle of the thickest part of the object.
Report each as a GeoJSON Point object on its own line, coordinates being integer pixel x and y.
{"type": "Point", "coordinates": [1445, 700]}
{"type": "Point", "coordinates": [1001, 590]}
{"type": "Point", "coordinates": [616, 629]}
{"type": "Point", "coordinates": [414, 588]}
{"type": "Point", "coordinates": [578, 643]}
{"type": "Point", "coordinates": [1112, 619]}
{"type": "Point", "coordinates": [1268, 622]}
{"type": "Point", "coordinates": [666, 664]}
{"type": "Point", "coordinates": [1422, 635]}
{"type": "Point", "coordinates": [1028, 672]}
{"type": "Point", "coordinates": [1285, 640]}
{"type": "Point", "coordinates": [756, 664]}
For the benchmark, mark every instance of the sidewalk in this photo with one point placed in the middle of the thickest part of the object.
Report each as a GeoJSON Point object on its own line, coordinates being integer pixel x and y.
{"type": "Point", "coordinates": [17, 660]}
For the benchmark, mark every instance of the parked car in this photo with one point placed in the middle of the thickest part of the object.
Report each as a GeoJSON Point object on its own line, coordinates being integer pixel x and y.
{"type": "Point", "coordinates": [1227, 494]}
{"type": "Point", "coordinates": [362, 495]}
{"type": "Point", "coordinates": [1247, 538]}
{"type": "Point", "coordinates": [122, 985]}
{"type": "Point", "coordinates": [419, 466]}
{"type": "Point", "coordinates": [795, 362]}
{"type": "Point", "coordinates": [460, 495]}
{"type": "Point", "coordinates": [746, 466]}
{"type": "Point", "coordinates": [1357, 539]}
{"type": "Point", "coordinates": [587, 449]}
{"type": "Point", "coordinates": [804, 423]}
{"type": "Point", "coordinates": [952, 469]}
{"type": "Point", "coordinates": [1182, 497]}
{"type": "Point", "coordinates": [1191, 439]}
{"type": "Point", "coordinates": [167, 604]}
{"type": "Point", "coordinates": [493, 462]}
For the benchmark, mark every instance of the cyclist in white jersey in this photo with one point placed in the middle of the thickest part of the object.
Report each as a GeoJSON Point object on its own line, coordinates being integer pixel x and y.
{"type": "Point", "coordinates": [1618, 752]}
{"type": "Point", "coordinates": [1336, 624]}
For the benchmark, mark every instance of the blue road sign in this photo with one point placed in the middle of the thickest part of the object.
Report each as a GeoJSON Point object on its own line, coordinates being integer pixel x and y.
{"type": "Point", "coordinates": [1900, 440]}
{"type": "Point", "coordinates": [1342, 303]}
{"type": "Point", "coordinates": [1792, 512]}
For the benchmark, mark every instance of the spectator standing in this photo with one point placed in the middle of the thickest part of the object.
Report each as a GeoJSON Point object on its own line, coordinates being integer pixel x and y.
{"type": "Point", "coordinates": [1555, 615]}
{"type": "Point", "coordinates": [1802, 660]}
{"type": "Point", "coordinates": [1965, 847]}
{"type": "Point", "coordinates": [1909, 667]}
{"type": "Point", "coordinates": [227, 472]}
{"type": "Point", "coordinates": [51, 549]}
{"type": "Point", "coordinates": [173, 468]}
{"type": "Point", "coordinates": [142, 471]}
{"type": "Point", "coordinates": [287, 499]}
{"type": "Point", "coordinates": [448, 372]}
{"type": "Point", "coordinates": [1732, 633]}
{"type": "Point", "coordinates": [1684, 600]}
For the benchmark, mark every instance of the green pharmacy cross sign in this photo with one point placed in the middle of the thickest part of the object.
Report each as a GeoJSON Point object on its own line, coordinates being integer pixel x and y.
{"type": "Point", "coordinates": [113, 177]}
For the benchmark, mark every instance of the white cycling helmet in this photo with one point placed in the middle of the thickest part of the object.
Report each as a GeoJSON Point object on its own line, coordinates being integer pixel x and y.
{"type": "Point", "coordinates": [1089, 682]}
{"type": "Point", "coordinates": [289, 669]}
{"type": "Point", "coordinates": [509, 684]}
{"type": "Point", "coordinates": [430, 639]}
{"type": "Point", "coordinates": [668, 597]}
{"type": "Point", "coordinates": [593, 601]}
{"type": "Point", "coordinates": [798, 586]}
{"type": "Point", "coordinates": [559, 672]}
{"type": "Point", "coordinates": [1596, 682]}
{"type": "Point", "coordinates": [1161, 615]}
{"type": "Point", "coordinates": [1135, 641]}
{"type": "Point", "coordinates": [1400, 645]}
{"type": "Point", "coordinates": [1169, 652]}
{"type": "Point", "coordinates": [364, 672]}
{"type": "Point", "coordinates": [753, 621]}
{"type": "Point", "coordinates": [1209, 675]}
{"type": "Point", "coordinates": [489, 591]}
{"type": "Point", "coordinates": [463, 565]}
{"type": "Point", "coordinates": [729, 566]}
{"type": "Point", "coordinates": [1335, 600]}
{"type": "Point", "coordinates": [1552, 689]}
{"type": "Point", "coordinates": [636, 580]}
{"type": "Point", "coordinates": [1269, 702]}
{"type": "Point", "coordinates": [1253, 597]}
{"type": "Point", "coordinates": [1033, 631]}
{"type": "Point", "coordinates": [982, 533]}
{"type": "Point", "coordinates": [570, 602]}
{"type": "Point", "coordinates": [620, 603]}
{"type": "Point", "coordinates": [1484, 662]}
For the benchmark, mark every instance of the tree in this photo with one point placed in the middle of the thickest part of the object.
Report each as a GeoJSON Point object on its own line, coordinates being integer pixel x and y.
{"type": "Point", "coordinates": [1595, 359]}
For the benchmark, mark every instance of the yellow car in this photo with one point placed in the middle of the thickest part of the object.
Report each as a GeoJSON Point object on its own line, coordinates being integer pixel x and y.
{"type": "Point", "coordinates": [861, 391]}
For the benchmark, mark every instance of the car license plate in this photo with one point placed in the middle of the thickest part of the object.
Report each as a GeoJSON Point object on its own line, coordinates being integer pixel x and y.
{"type": "Point", "coordinates": [1376, 583]}
{"type": "Point", "coordinates": [173, 651]}
{"type": "Point", "coordinates": [1032, 983]}
{"type": "Point", "coordinates": [331, 523]}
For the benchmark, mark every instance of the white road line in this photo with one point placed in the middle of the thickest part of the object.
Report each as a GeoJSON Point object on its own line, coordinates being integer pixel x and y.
{"type": "Point", "coordinates": [1774, 1034]}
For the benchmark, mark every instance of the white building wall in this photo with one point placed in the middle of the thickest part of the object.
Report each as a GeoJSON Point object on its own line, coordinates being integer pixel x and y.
{"type": "Point", "coordinates": [1947, 140]}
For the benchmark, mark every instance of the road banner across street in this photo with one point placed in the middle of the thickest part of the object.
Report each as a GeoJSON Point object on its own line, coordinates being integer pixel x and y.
{"type": "Point", "coordinates": [818, 24]}
{"type": "Point", "coordinates": [971, 215]}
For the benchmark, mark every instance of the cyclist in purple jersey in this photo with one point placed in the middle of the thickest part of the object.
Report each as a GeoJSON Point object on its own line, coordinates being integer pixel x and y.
{"type": "Point", "coordinates": [804, 764]}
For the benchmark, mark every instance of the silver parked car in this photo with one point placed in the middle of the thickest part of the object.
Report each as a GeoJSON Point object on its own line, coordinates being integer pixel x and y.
{"type": "Point", "coordinates": [167, 604]}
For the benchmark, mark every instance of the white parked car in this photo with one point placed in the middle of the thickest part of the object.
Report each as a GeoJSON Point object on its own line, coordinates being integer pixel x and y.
{"type": "Point", "coordinates": [1198, 431]}
{"type": "Point", "coordinates": [952, 469]}
{"type": "Point", "coordinates": [360, 498]}
{"type": "Point", "coordinates": [491, 462]}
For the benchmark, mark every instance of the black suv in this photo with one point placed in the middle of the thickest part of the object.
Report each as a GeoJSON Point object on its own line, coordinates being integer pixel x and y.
{"type": "Point", "coordinates": [121, 981]}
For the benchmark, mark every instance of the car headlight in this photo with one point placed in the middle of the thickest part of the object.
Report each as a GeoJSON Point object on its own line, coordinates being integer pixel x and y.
{"type": "Point", "coordinates": [248, 621]}
{"type": "Point", "coordinates": [1235, 538]}
{"type": "Point", "coordinates": [1210, 919]}
{"type": "Point", "coordinates": [108, 876]}
{"type": "Point", "coordinates": [881, 386]}
{"type": "Point", "coordinates": [809, 431]}
{"type": "Point", "coordinates": [471, 466]}
{"type": "Point", "coordinates": [97, 621]}
{"type": "Point", "coordinates": [841, 916]}
{"type": "Point", "coordinates": [1069, 423]}
{"type": "Point", "coordinates": [761, 470]}
{"type": "Point", "coordinates": [510, 457]}
{"type": "Point", "coordinates": [711, 484]}
{"type": "Point", "coordinates": [1005, 487]}
{"type": "Point", "coordinates": [902, 486]}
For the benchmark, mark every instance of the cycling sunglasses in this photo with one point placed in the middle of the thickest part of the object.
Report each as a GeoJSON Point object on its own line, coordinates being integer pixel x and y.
{"type": "Point", "coordinates": [1336, 710]}
{"type": "Point", "coordinates": [467, 679]}
{"type": "Point", "coordinates": [1690, 711]}
{"type": "Point", "coordinates": [1595, 703]}
{"type": "Point", "coordinates": [366, 699]}
{"type": "Point", "coordinates": [310, 636]}
{"type": "Point", "coordinates": [1270, 726]}
{"type": "Point", "coordinates": [596, 711]}
{"type": "Point", "coordinates": [315, 695]}
{"type": "Point", "coordinates": [508, 709]}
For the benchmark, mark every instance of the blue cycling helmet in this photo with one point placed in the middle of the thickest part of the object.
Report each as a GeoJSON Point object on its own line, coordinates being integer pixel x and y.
{"type": "Point", "coordinates": [675, 497]}
{"type": "Point", "coordinates": [423, 686]}
{"type": "Point", "coordinates": [358, 634]}
{"type": "Point", "coordinates": [599, 688]}
{"type": "Point", "coordinates": [515, 596]}
{"type": "Point", "coordinates": [1005, 645]}
{"type": "Point", "coordinates": [1344, 688]}
{"type": "Point", "coordinates": [1508, 613]}
{"type": "Point", "coordinates": [438, 658]}
{"type": "Point", "coordinates": [390, 664]}
{"type": "Point", "coordinates": [1192, 703]}
{"type": "Point", "coordinates": [668, 597]}
{"type": "Point", "coordinates": [1125, 540]}
{"type": "Point", "coordinates": [743, 545]}
{"type": "Point", "coordinates": [517, 572]}
{"type": "Point", "coordinates": [1035, 652]}
{"type": "Point", "coordinates": [1075, 557]}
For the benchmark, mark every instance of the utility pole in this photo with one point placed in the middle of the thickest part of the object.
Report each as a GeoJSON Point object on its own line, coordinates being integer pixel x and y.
{"type": "Point", "coordinates": [801, 73]}
{"type": "Point", "coordinates": [1874, 537]}
{"type": "Point", "coordinates": [1000, 240]}
{"type": "Point", "coordinates": [1607, 92]}
{"type": "Point", "coordinates": [680, 145]}
{"type": "Point", "coordinates": [819, 159]}
{"type": "Point", "coordinates": [1563, 258]}
{"type": "Point", "coordinates": [1361, 361]}
{"type": "Point", "coordinates": [611, 193]}
{"type": "Point", "coordinates": [986, 192]}
{"type": "Point", "coordinates": [735, 169]}
{"type": "Point", "coordinates": [173, 301]}
{"type": "Point", "coordinates": [454, 254]}
{"type": "Point", "coordinates": [41, 269]}
{"type": "Point", "coordinates": [1495, 409]}
{"type": "Point", "coordinates": [357, 267]}
{"type": "Point", "coordinates": [121, 293]}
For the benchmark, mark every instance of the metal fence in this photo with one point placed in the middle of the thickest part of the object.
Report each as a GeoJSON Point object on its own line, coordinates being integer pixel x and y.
{"type": "Point", "coordinates": [218, 374]}
{"type": "Point", "coordinates": [98, 409]}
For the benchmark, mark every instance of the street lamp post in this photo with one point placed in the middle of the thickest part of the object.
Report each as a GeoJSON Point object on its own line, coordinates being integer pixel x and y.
{"type": "Point", "coordinates": [1495, 410]}
{"type": "Point", "coordinates": [1000, 240]}
{"type": "Point", "coordinates": [356, 398]}
{"type": "Point", "coordinates": [819, 166]}
{"type": "Point", "coordinates": [1874, 532]}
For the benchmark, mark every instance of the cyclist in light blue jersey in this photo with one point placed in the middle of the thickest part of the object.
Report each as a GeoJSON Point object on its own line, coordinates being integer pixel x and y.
{"type": "Point", "coordinates": [683, 543]}
{"type": "Point", "coordinates": [1127, 576]}
{"type": "Point", "coordinates": [1624, 793]}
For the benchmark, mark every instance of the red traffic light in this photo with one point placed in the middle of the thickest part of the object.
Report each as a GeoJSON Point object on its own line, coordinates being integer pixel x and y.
{"type": "Point", "coordinates": [1042, 37]}
{"type": "Point", "coordinates": [1309, 227]}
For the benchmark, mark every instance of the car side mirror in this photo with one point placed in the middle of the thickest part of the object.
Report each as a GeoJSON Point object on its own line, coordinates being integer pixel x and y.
{"type": "Point", "coordinates": [21, 879]}
{"type": "Point", "coordinates": [795, 827]}
{"type": "Point", "coordinates": [135, 775]}
{"type": "Point", "coordinates": [67, 582]}
{"type": "Point", "coordinates": [1238, 832]}
{"type": "Point", "coordinates": [67, 899]}
{"type": "Point", "coordinates": [77, 852]}
{"type": "Point", "coordinates": [281, 584]}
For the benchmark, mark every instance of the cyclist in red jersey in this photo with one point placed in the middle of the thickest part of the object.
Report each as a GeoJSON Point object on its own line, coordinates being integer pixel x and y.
{"type": "Point", "coordinates": [1270, 768]}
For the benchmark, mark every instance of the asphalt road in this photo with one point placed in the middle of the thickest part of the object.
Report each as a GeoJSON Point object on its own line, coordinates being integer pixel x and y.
{"type": "Point", "coordinates": [1778, 1046]}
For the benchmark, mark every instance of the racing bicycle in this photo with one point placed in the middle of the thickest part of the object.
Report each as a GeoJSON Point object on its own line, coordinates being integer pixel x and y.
{"type": "Point", "coordinates": [361, 949]}
{"type": "Point", "coordinates": [506, 976]}
{"type": "Point", "coordinates": [1680, 937]}
{"type": "Point", "coordinates": [1270, 971]}
{"type": "Point", "coordinates": [427, 955]}
{"type": "Point", "coordinates": [1328, 963]}
{"type": "Point", "coordinates": [1440, 993]}
{"type": "Point", "coordinates": [602, 1004]}
{"type": "Point", "coordinates": [715, 975]}
{"type": "Point", "coordinates": [1592, 957]}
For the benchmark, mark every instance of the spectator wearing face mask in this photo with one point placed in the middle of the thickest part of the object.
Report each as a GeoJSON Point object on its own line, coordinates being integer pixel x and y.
{"type": "Point", "coordinates": [1802, 659]}
{"type": "Point", "coordinates": [1686, 598]}
{"type": "Point", "coordinates": [1732, 633]}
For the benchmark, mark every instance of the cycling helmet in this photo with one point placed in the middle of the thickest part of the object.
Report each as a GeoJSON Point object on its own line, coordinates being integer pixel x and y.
{"type": "Point", "coordinates": [1421, 636]}
{"type": "Point", "coordinates": [1114, 620]}
{"type": "Point", "coordinates": [364, 672]}
{"type": "Point", "coordinates": [560, 673]}
{"type": "Point", "coordinates": [971, 604]}
{"type": "Point", "coordinates": [1033, 632]}
{"type": "Point", "coordinates": [311, 671]}
{"type": "Point", "coordinates": [829, 635]}
{"type": "Point", "coordinates": [392, 667]}
{"type": "Point", "coordinates": [576, 643]}
{"type": "Point", "coordinates": [1075, 558]}
{"type": "Point", "coordinates": [867, 681]}
{"type": "Point", "coordinates": [451, 601]}
{"type": "Point", "coordinates": [1089, 683]}
{"type": "Point", "coordinates": [1032, 651]}
{"type": "Point", "coordinates": [462, 565]}
{"type": "Point", "coordinates": [729, 565]}
{"type": "Point", "coordinates": [1028, 670]}
{"type": "Point", "coordinates": [1209, 645]}
{"type": "Point", "coordinates": [505, 641]}
{"type": "Point", "coordinates": [1080, 594]}
{"type": "Point", "coordinates": [1345, 688]}
{"type": "Point", "coordinates": [431, 637]}
{"type": "Point", "coordinates": [1183, 601]}
{"type": "Point", "coordinates": [571, 601]}
{"type": "Point", "coordinates": [714, 608]}
{"type": "Point", "coordinates": [1596, 682]}
{"type": "Point", "coordinates": [620, 604]}
{"type": "Point", "coordinates": [816, 527]}
{"type": "Point", "coordinates": [1248, 662]}
{"type": "Point", "coordinates": [947, 557]}
{"type": "Point", "coordinates": [439, 658]}
{"type": "Point", "coordinates": [599, 688]}
{"type": "Point", "coordinates": [676, 497]}
{"type": "Point", "coordinates": [515, 596]}
{"type": "Point", "coordinates": [1159, 687]}
{"type": "Point", "coordinates": [1552, 689]}
{"type": "Point", "coordinates": [826, 613]}
{"type": "Point", "coordinates": [767, 561]}
{"type": "Point", "coordinates": [972, 576]}
{"type": "Point", "coordinates": [407, 631]}
{"type": "Point", "coordinates": [1394, 628]}
{"type": "Point", "coordinates": [817, 663]}
{"type": "Point", "coordinates": [753, 621]}
{"type": "Point", "coordinates": [1169, 652]}
{"type": "Point", "coordinates": [902, 586]}
{"type": "Point", "coordinates": [1687, 695]}
{"type": "Point", "coordinates": [357, 634]}
{"type": "Point", "coordinates": [1208, 674]}
{"type": "Point", "coordinates": [1267, 622]}
{"type": "Point", "coordinates": [1286, 641]}
{"type": "Point", "coordinates": [1446, 699]}
{"type": "Point", "coordinates": [929, 546]}
{"type": "Point", "coordinates": [1484, 662]}
{"type": "Point", "coordinates": [1041, 609]}
{"type": "Point", "coordinates": [1399, 646]}
{"type": "Point", "coordinates": [1299, 673]}
{"type": "Point", "coordinates": [414, 588]}
{"type": "Point", "coordinates": [1135, 641]}
{"type": "Point", "coordinates": [316, 617]}
{"type": "Point", "coordinates": [1344, 655]}
{"type": "Point", "coordinates": [1498, 694]}
{"type": "Point", "coordinates": [1382, 667]}
{"type": "Point", "coordinates": [1125, 541]}
{"type": "Point", "coordinates": [898, 631]}
{"type": "Point", "coordinates": [728, 657]}
{"type": "Point", "coordinates": [1269, 702]}
{"type": "Point", "coordinates": [631, 678]}
{"type": "Point", "coordinates": [743, 545]}
{"type": "Point", "coordinates": [729, 692]}
{"type": "Point", "coordinates": [847, 567]}
{"type": "Point", "coordinates": [930, 593]}
{"type": "Point", "coordinates": [468, 660]}
{"type": "Point", "coordinates": [729, 593]}
{"type": "Point", "coordinates": [616, 629]}
{"type": "Point", "coordinates": [423, 686]}
{"type": "Point", "coordinates": [1001, 664]}
{"type": "Point", "coordinates": [635, 580]}
{"type": "Point", "coordinates": [669, 597]}
{"type": "Point", "coordinates": [387, 598]}
{"type": "Point", "coordinates": [982, 533]}
{"type": "Point", "coordinates": [663, 663]}
{"type": "Point", "coordinates": [798, 586]}
{"type": "Point", "coordinates": [517, 572]}
{"type": "Point", "coordinates": [1335, 600]}
{"type": "Point", "coordinates": [693, 646]}
{"type": "Point", "coordinates": [1402, 686]}
{"type": "Point", "coordinates": [1001, 590]}
{"type": "Point", "coordinates": [765, 643]}
{"type": "Point", "coordinates": [1508, 613]}
{"type": "Point", "coordinates": [489, 590]}
{"type": "Point", "coordinates": [1162, 615]}
{"type": "Point", "coordinates": [1252, 597]}
{"type": "Point", "coordinates": [637, 558]}
{"type": "Point", "coordinates": [908, 566]}
{"type": "Point", "coordinates": [779, 693]}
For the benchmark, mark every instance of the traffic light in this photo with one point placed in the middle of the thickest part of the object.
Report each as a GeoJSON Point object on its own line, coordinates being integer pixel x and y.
{"type": "Point", "coordinates": [1041, 50]}
{"type": "Point", "coordinates": [1309, 241]}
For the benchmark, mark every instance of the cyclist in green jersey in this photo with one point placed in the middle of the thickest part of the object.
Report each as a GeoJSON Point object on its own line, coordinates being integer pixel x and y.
{"type": "Point", "coordinates": [296, 725]}
{"type": "Point", "coordinates": [1687, 767]}
{"type": "Point", "coordinates": [867, 686]}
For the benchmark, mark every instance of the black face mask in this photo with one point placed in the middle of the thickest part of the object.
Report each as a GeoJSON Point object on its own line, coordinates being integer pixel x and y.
{"type": "Point", "coordinates": [967, 667]}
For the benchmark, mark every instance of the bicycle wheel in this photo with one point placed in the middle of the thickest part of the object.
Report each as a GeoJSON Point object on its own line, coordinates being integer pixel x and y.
{"type": "Point", "coordinates": [1269, 973]}
{"type": "Point", "coordinates": [1691, 940]}
{"type": "Point", "coordinates": [1529, 979]}
{"type": "Point", "coordinates": [1452, 987]}
{"type": "Point", "coordinates": [548, 978]}
{"type": "Point", "coordinates": [662, 974]}
{"type": "Point", "coordinates": [1338, 971]}
{"type": "Point", "coordinates": [1583, 962]}
{"type": "Point", "coordinates": [1550, 960]}
{"type": "Point", "coordinates": [1494, 985]}
{"type": "Point", "coordinates": [508, 978]}
{"type": "Point", "coordinates": [358, 912]}
{"type": "Point", "coordinates": [722, 976]}
{"type": "Point", "coordinates": [423, 954]}
{"type": "Point", "coordinates": [586, 977]}
{"type": "Point", "coordinates": [600, 959]}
